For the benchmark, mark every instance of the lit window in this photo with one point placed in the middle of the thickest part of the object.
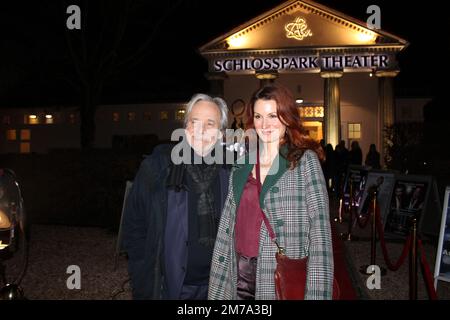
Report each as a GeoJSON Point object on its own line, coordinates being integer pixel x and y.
{"type": "Point", "coordinates": [179, 115]}
{"type": "Point", "coordinates": [11, 135]}
{"type": "Point", "coordinates": [311, 112]}
{"type": "Point", "coordinates": [25, 134]}
{"type": "Point", "coordinates": [147, 115]}
{"type": "Point", "coordinates": [354, 131]}
{"type": "Point", "coordinates": [318, 112]}
{"type": "Point", "coordinates": [33, 119]}
{"type": "Point", "coordinates": [131, 116]}
{"type": "Point", "coordinates": [6, 119]}
{"type": "Point", "coordinates": [72, 118]}
{"type": "Point", "coordinates": [25, 147]}
{"type": "Point", "coordinates": [48, 119]}
{"type": "Point", "coordinates": [164, 115]}
{"type": "Point", "coordinates": [115, 116]}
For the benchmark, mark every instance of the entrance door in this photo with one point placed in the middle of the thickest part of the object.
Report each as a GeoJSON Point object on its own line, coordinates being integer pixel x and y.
{"type": "Point", "coordinates": [314, 129]}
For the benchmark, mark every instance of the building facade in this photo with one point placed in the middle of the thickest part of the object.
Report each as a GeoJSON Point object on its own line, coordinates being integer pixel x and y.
{"type": "Point", "coordinates": [340, 70]}
{"type": "Point", "coordinates": [38, 130]}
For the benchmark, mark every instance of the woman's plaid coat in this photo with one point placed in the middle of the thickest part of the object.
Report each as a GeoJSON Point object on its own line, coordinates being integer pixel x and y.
{"type": "Point", "coordinates": [296, 204]}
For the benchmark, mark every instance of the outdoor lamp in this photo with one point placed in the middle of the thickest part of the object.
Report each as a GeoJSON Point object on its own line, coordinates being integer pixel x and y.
{"type": "Point", "coordinates": [5, 223]}
{"type": "Point", "coordinates": [11, 233]}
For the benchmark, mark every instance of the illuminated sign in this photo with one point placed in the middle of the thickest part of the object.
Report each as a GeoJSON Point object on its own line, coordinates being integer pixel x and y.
{"type": "Point", "coordinates": [298, 29]}
{"type": "Point", "coordinates": [303, 63]}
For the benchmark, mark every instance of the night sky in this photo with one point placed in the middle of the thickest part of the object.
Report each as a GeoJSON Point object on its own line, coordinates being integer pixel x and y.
{"type": "Point", "coordinates": [37, 68]}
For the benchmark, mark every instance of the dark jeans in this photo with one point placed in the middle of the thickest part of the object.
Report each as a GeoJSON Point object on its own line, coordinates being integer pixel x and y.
{"type": "Point", "coordinates": [192, 292]}
{"type": "Point", "coordinates": [246, 280]}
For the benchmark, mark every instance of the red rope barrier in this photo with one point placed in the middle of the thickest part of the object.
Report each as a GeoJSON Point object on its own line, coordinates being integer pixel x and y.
{"type": "Point", "coordinates": [390, 265]}
{"type": "Point", "coordinates": [427, 276]}
{"type": "Point", "coordinates": [363, 224]}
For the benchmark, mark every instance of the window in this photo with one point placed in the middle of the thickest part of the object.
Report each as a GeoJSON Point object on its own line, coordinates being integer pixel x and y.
{"type": "Point", "coordinates": [25, 134]}
{"type": "Point", "coordinates": [179, 115]}
{"type": "Point", "coordinates": [407, 113]}
{"type": "Point", "coordinates": [115, 116]}
{"type": "Point", "coordinates": [11, 135]}
{"type": "Point", "coordinates": [48, 119]}
{"type": "Point", "coordinates": [131, 116]}
{"type": "Point", "coordinates": [24, 147]}
{"type": "Point", "coordinates": [147, 115]}
{"type": "Point", "coordinates": [318, 112]}
{"type": "Point", "coordinates": [6, 119]}
{"type": "Point", "coordinates": [311, 112]}
{"type": "Point", "coordinates": [354, 131]}
{"type": "Point", "coordinates": [72, 118]}
{"type": "Point", "coordinates": [31, 119]}
{"type": "Point", "coordinates": [164, 115]}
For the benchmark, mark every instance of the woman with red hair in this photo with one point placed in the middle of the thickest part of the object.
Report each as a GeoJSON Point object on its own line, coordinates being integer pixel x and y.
{"type": "Point", "coordinates": [286, 184]}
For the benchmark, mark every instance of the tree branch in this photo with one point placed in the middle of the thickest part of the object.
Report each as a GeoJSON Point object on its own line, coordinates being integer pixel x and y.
{"type": "Point", "coordinates": [135, 58]}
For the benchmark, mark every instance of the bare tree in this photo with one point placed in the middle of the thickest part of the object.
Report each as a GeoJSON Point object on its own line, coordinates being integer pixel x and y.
{"type": "Point", "coordinates": [101, 49]}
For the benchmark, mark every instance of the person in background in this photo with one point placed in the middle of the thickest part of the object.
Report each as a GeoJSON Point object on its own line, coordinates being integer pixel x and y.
{"type": "Point", "coordinates": [341, 158]}
{"type": "Point", "coordinates": [355, 154]}
{"type": "Point", "coordinates": [373, 157]}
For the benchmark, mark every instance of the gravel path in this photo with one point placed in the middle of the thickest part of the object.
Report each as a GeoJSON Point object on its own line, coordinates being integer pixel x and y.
{"type": "Point", "coordinates": [54, 248]}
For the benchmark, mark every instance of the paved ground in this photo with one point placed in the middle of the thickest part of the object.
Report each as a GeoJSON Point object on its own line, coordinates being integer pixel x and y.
{"type": "Point", "coordinates": [54, 248]}
{"type": "Point", "coordinates": [395, 284]}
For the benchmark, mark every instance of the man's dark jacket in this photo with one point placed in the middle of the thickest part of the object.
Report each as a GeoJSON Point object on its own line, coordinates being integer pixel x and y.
{"type": "Point", "coordinates": [144, 228]}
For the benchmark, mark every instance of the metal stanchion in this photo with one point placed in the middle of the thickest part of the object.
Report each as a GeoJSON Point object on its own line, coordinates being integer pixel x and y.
{"type": "Point", "coordinates": [338, 219]}
{"type": "Point", "coordinates": [348, 236]}
{"type": "Point", "coordinates": [373, 241]}
{"type": "Point", "coordinates": [413, 262]}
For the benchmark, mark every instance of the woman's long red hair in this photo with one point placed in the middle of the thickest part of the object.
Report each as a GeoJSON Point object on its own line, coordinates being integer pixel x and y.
{"type": "Point", "coordinates": [296, 138]}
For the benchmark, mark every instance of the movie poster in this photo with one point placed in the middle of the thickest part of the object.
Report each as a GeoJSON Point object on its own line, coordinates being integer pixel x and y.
{"type": "Point", "coordinates": [383, 183]}
{"type": "Point", "coordinates": [358, 176]}
{"type": "Point", "coordinates": [444, 267]}
{"type": "Point", "coordinates": [407, 202]}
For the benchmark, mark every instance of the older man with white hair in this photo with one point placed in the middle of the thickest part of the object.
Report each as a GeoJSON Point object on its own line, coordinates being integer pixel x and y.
{"type": "Point", "coordinates": [173, 209]}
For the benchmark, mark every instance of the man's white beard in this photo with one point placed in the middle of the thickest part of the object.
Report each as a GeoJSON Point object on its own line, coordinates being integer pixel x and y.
{"type": "Point", "coordinates": [199, 146]}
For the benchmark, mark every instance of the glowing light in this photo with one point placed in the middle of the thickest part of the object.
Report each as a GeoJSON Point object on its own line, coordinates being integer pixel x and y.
{"type": "Point", "coordinates": [299, 101]}
{"type": "Point", "coordinates": [366, 37]}
{"type": "Point", "coordinates": [33, 119]}
{"type": "Point", "coordinates": [48, 116]}
{"type": "Point", "coordinates": [2, 246]}
{"type": "Point", "coordinates": [236, 41]}
{"type": "Point", "coordinates": [297, 29]}
{"type": "Point", "coordinates": [4, 221]}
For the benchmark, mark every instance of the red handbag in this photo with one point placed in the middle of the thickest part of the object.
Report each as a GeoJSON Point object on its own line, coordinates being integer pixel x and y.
{"type": "Point", "coordinates": [290, 277]}
{"type": "Point", "coordinates": [290, 274]}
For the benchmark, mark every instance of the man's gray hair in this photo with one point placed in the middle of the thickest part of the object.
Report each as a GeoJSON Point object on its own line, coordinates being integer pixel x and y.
{"type": "Point", "coordinates": [219, 102]}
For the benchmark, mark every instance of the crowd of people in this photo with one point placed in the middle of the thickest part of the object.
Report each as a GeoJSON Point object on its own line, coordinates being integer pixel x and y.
{"type": "Point", "coordinates": [338, 159]}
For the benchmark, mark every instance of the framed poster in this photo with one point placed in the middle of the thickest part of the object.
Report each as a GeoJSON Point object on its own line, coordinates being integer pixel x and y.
{"type": "Point", "coordinates": [358, 176]}
{"type": "Point", "coordinates": [409, 199]}
{"type": "Point", "coordinates": [442, 266]}
{"type": "Point", "coordinates": [383, 182]}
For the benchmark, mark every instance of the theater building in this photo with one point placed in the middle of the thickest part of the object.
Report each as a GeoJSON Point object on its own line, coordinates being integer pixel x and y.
{"type": "Point", "coordinates": [340, 71]}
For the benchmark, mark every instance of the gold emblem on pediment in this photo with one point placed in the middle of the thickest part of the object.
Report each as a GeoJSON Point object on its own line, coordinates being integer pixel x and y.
{"type": "Point", "coordinates": [298, 29]}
